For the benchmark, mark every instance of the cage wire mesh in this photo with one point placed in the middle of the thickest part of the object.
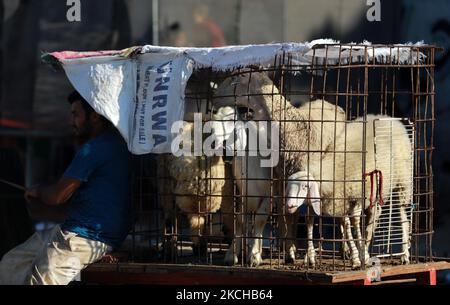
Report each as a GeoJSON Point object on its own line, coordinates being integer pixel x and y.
{"type": "Point", "coordinates": [225, 209]}
{"type": "Point", "coordinates": [388, 236]}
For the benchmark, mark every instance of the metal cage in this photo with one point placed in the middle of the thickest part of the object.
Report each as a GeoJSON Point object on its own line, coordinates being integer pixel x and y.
{"type": "Point", "coordinates": [191, 212]}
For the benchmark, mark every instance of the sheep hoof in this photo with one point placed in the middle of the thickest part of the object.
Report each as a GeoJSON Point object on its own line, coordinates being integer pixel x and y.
{"type": "Point", "coordinates": [310, 260]}
{"type": "Point", "coordinates": [346, 254]}
{"type": "Point", "coordinates": [290, 257]}
{"type": "Point", "coordinates": [405, 259]}
{"type": "Point", "coordinates": [255, 260]}
{"type": "Point", "coordinates": [356, 264]}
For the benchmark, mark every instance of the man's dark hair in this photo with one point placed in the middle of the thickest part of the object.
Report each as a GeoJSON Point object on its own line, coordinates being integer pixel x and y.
{"type": "Point", "coordinates": [75, 96]}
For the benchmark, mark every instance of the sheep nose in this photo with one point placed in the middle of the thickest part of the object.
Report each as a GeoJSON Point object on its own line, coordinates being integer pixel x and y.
{"type": "Point", "coordinates": [291, 207]}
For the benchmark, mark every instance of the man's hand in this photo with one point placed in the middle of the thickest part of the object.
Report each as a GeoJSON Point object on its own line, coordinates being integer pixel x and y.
{"type": "Point", "coordinates": [55, 194]}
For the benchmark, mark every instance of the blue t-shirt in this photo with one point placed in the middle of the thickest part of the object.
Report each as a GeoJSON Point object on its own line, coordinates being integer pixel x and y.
{"type": "Point", "coordinates": [100, 209]}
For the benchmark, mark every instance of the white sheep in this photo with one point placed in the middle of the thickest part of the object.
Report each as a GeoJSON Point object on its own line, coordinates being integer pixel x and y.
{"type": "Point", "coordinates": [333, 186]}
{"type": "Point", "coordinates": [253, 183]}
{"type": "Point", "coordinates": [197, 185]}
{"type": "Point", "coordinates": [303, 130]}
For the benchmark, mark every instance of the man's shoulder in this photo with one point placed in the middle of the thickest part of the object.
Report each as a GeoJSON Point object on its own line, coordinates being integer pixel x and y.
{"type": "Point", "coordinates": [108, 138]}
{"type": "Point", "coordinates": [104, 144]}
{"type": "Point", "coordinates": [110, 143]}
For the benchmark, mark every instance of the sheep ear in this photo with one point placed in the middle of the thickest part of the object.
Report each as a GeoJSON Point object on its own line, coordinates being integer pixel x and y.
{"type": "Point", "coordinates": [296, 194]}
{"type": "Point", "coordinates": [314, 196]}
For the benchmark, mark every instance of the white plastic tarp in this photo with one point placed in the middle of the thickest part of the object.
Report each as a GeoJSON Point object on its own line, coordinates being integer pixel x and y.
{"type": "Point", "coordinates": [142, 93]}
{"type": "Point", "coordinates": [142, 97]}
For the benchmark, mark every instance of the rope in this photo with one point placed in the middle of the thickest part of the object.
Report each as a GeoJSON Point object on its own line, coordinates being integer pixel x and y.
{"type": "Point", "coordinates": [379, 194]}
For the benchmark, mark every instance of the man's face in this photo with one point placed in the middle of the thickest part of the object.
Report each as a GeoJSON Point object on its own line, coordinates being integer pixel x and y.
{"type": "Point", "coordinates": [80, 122]}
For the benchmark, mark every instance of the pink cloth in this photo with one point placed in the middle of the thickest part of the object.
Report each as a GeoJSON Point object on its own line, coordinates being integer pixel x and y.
{"type": "Point", "coordinates": [75, 55]}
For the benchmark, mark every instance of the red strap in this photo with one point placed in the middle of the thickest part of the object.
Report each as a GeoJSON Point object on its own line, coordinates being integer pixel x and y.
{"type": "Point", "coordinates": [379, 176]}
{"type": "Point", "coordinates": [380, 189]}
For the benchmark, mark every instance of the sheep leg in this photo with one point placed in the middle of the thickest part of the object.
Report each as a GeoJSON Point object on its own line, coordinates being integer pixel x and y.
{"type": "Point", "coordinates": [310, 257]}
{"type": "Point", "coordinates": [255, 252]}
{"type": "Point", "coordinates": [356, 262]}
{"type": "Point", "coordinates": [356, 222]}
{"type": "Point", "coordinates": [345, 248]}
{"type": "Point", "coordinates": [231, 257]}
{"type": "Point", "coordinates": [406, 242]}
{"type": "Point", "coordinates": [288, 231]}
{"type": "Point", "coordinates": [373, 213]}
{"type": "Point", "coordinates": [196, 227]}
{"type": "Point", "coordinates": [405, 198]}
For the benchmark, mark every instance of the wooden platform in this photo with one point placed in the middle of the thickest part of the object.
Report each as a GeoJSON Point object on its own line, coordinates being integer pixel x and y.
{"type": "Point", "coordinates": [188, 274]}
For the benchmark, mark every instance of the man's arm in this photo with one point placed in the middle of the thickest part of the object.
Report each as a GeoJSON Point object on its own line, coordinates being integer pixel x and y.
{"type": "Point", "coordinates": [55, 194]}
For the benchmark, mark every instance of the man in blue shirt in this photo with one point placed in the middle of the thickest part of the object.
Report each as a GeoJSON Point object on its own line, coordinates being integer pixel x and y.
{"type": "Point", "coordinates": [95, 191]}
